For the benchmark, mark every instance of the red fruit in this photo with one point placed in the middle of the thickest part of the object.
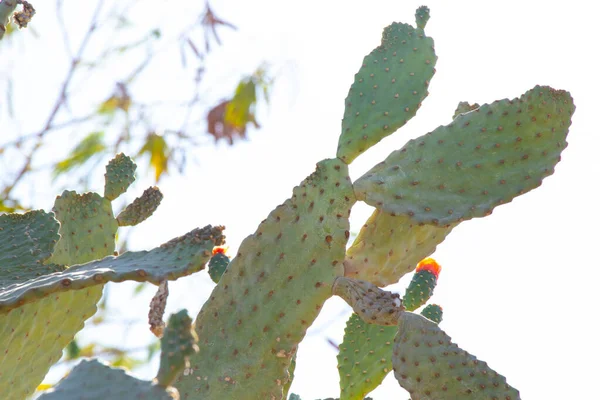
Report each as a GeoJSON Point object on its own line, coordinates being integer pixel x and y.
{"type": "Point", "coordinates": [429, 264]}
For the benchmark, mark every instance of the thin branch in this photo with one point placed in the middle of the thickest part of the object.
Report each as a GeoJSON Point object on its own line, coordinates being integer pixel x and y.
{"type": "Point", "coordinates": [58, 104]}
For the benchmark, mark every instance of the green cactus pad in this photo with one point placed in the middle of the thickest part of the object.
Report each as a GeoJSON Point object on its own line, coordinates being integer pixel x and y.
{"type": "Point", "coordinates": [32, 338]}
{"type": "Point", "coordinates": [141, 208]}
{"type": "Point", "coordinates": [388, 247]}
{"type": "Point", "coordinates": [177, 345]}
{"type": "Point", "coordinates": [422, 16]}
{"type": "Point", "coordinates": [92, 380]}
{"type": "Point", "coordinates": [372, 304]}
{"type": "Point", "coordinates": [482, 159]}
{"type": "Point", "coordinates": [433, 312]}
{"type": "Point", "coordinates": [217, 266]}
{"type": "Point", "coordinates": [120, 173]}
{"type": "Point", "coordinates": [272, 291]}
{"type": "Point", "coordinates": [179, 257]}
{"type": "Point", "coordinates": [365, 357]}
{"type": "Point", "coordinates": [26, 242]}
{"type": "Point", "coordinates": [421, 287]}
{"type": "Point", "coordinates": [429, 366]}
{"type": "Point", "coordinates": [88, 228]}
{"type": "Point", "coordinates": [464, 107]}
{"type": "Point", "coordinates": [388, 89]}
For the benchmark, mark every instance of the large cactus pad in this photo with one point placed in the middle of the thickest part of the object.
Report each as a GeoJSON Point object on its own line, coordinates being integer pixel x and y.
{"type": "Point", "coordinates": [389, 88]}
{"type": "Point", "coordinates": [92, 380]}
{"type": "Point", "coordinates": [429, 366]}
{"type": "Point", "coordinates": [482, 159]}
{"type": "Point", "coordinates": [272, 291]}
{"type": "Point", "coordinates": [388, 247]}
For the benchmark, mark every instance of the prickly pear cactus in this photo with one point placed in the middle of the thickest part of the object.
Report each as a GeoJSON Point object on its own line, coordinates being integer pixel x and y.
{"type": "Point", "coordinates": [422, 284]}
{"type": "Point", "coordinates": [433, 312]}
{"type": "Point", "coordinates": [272, 291]}
{"type": "Point", "coordinates": [57, 272]}
{"type": "Point", "coordinates": [218, 264]}
{"type": "Point", "coordinates": [388, 247]}
{"type": "Point", "coordinates": [429, 366]}
{"type": "Point", "coordinates": [365, 357]}
{"type": "Point", "coordinates": [389, 87]}
{"type": "Point", "coordinates": [481, 160]}
{"type": "Point", "coordinates": [141, 208]}
{"type": "Point", "coordinates": [177, 345]}
{"type": "Point", "coordinates": [120, 173]}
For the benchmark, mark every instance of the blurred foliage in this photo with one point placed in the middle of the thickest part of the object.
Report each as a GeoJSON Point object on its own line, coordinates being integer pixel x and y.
{"type": "Point", "coordinates": [121, 121]}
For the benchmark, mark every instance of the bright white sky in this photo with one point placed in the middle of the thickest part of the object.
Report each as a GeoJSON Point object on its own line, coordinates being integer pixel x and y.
{"type": "Point", "coordinates": [519, 288]}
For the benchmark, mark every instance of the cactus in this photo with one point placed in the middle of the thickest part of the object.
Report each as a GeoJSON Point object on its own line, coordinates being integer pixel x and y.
{"type": "Point", "coordinates": [422, 284]}
{"type": "Point", "coordinates": [433, 312]}
{"type": "Point", "coordinates": [218, 264]}
{"type": "Point", "coordinates": [57, 271]}
{"type": "Point", "coordinates": [429, 366]}
{"type": "Point", "coordinates": [141, 208]}
{"type": "Point", "coordinates": [388, 247]}
{"type": "Point", "coordinates": [93, 380]}
{"type": "Point", "coordinates": [273, 289]}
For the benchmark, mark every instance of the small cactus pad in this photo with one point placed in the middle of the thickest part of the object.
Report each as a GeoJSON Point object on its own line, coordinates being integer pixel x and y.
{"type": "Point", "coordinates": [388, 247]}
{"type": "Point", "coordinates": [92, 380]}
{"type": "Point", "coordinates": [480, 160]}
{"type": "Point", "coordinates": [429, 366]}
{"type": "Point", "coordinates": [120, 173]}
{"type": "Point", "coordinates": [141, 208]}
{"type": "Point", "coordinates": [272, 291]}
{"type": "Point", "coordinates": [422, 16]}
{"type": "Point", "coordinates": [157, 309]}
{"type": "Point", "coordinates": [433, 312]}
{"type": "Point", "coordinates": [178, 257]}
{"type": "Point", "coordinates": [177, 345]}
{"type": "Point", "coordinates": [87, 228]}
{"type": "Point", "coordinates": [33, 336]}
{"type": "Point", "coordinates": [26, 241]}
{"type": "Point", "coordinates": [465, 107]}
{"type": "Point", "coordinates": [365, 357]}
{"type": "Point", "coordinates": [373, 305]}
{"type": "Point", "coordinates": [422, 284]}
{"type": "Point", "coordinates": [388, 89]}
{"type": "Point", "coordinates": [218, 264]}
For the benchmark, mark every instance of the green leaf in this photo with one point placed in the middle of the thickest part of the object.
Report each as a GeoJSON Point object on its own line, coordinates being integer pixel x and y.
{"type": "Point", "coordinates": [91, 145]}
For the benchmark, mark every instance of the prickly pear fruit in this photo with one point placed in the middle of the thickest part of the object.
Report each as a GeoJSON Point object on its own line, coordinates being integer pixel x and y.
{"type": "Point", "coordinates": [429, 366]}
{"type": "Point", "coordinates": [433, 312]}
{"type": "Point", "coordinates": [218, 264]}
{"type": "Point", "coordinates": [422, 284]}
{"type": "Point", "coordinates": [389, 87]}
{"type": "Point", "coordinates": [482, 159]}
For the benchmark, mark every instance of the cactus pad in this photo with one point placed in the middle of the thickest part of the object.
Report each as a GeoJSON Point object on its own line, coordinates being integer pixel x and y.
{"type": "Point", "coordinates": [157, 309]}
{"type": "Point", "coordinates": [433, 312]}
{"type": "Point", "coordinates": [88, 228]}
{"type": "Point", "coordinates": [177, 345]}
{"type": "Point", "coordinates": [422, 284]}
{"type": "Point", "coordinates": [217, 264]}
{"type": "Point", "coordinates": [141, 208]}
{"type": "Point", "coordinates": [26, 242]}
{"type": "Point", "coordinates": [92, 380]}
{"type": "Point", "coordinates": [429, 366]}
{"type": "Point", "coordinates": [373, 305]}
{"type": "Point", "coordinates": [388, 247]}
{"type": "Point", "coordinates": [480, 160]}
{"type": "Point", "coordinates": [120, 173]}
{"type": "Point", "coordinates": [389, 88]}
{"type": "Point", "coordinates": [272, 291]}
{"type": "Point", "coordinates": [178, 257]}
{"type": "Point", "coordinates": [365, 357]}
